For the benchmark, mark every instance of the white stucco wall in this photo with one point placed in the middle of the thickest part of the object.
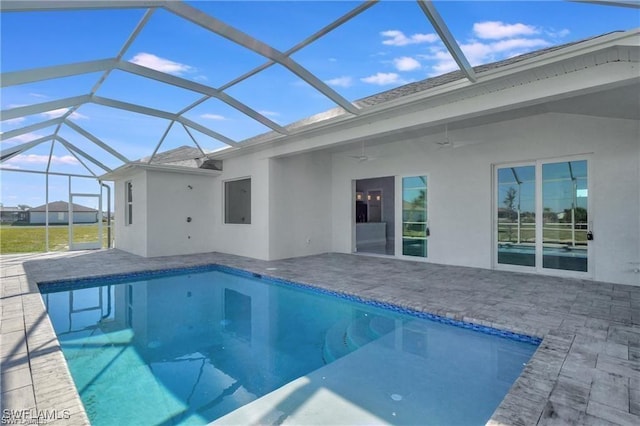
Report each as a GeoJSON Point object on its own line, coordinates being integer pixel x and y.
{"type": "Point", "coordinates": [132, 238]}
{"type": "Point", "coordinates": [251, 240]}
{"type": "Point", "coordinates": [300, 205]}
{"type": "Point", "coordinates": [460, 185]}
{"type": "Point", "coordinates": [170, 202]}
{"type": "Point", "coordinates": [55, 218]}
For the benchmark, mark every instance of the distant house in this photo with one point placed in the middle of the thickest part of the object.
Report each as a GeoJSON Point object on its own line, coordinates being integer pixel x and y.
{"type": "Point", "coordinates": [11, 214]}
{"type": "Point", "coordinates": [59, 214]}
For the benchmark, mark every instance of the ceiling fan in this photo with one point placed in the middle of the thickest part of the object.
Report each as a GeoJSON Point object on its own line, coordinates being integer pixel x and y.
{"type": "Point", "coordinates": [449, 143]}
{"type": "Point", "coordinates": [362, 157]}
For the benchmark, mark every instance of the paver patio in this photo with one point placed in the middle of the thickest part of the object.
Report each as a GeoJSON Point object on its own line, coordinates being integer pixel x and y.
{"type": "Point", "coordinates": [586, 371]}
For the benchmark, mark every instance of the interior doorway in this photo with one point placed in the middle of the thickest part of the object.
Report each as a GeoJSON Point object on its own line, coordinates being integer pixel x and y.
{"type": "Point", "coordinates": [375, 215]}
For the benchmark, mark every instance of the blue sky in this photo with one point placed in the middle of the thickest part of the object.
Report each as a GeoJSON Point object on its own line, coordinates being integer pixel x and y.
{"type": "Point", "coordinates": [386, 46]}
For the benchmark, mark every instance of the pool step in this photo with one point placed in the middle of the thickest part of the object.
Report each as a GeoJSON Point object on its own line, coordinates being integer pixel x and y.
{"type": "Point", "coordinates": [350, 334]}
{"type": "Point", "coordinates": [335, 345]}
{"type": "Point", "coordinates": [358, 333]}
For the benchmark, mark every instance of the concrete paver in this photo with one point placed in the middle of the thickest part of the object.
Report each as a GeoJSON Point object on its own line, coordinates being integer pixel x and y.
{"type": "Point", "coordinates": [586, 371]}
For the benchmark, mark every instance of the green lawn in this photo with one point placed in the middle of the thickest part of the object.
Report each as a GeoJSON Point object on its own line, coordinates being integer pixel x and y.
{"type": "Point", "coordinates": [31, 239]}
{"type": "Point", "coordinates": [552, 233]}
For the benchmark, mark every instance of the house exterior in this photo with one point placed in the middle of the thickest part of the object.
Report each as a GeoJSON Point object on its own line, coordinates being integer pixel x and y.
{"type": "Point", "coordinates": [59, 214]}
{"type": "Point", "coordinates": [11, 214]}
{"type": "Point", "coordinates": [509, 165]}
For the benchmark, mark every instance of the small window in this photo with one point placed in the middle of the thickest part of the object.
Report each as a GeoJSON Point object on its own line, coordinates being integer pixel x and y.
{"type": "Point", "coordinates": [128, 204]}
{"type": "Point", "coordinates": [237, 201]}
{"type": "Point", "coordinates": [60, 216]}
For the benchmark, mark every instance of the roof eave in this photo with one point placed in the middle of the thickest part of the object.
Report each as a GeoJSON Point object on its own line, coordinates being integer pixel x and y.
{"type": "Point", "coordinates": [129, 169]}
{"type": "Point", "coordinates": [621, 39]}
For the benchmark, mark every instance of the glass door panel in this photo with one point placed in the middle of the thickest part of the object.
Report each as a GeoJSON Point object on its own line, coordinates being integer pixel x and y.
{"type": "Point", "coordinates": [565, 215]}
{"type": "Point", "coordinates": [85, 222]}
{"type": "Point", "coordinates": [414, 216]}
{"type": "Point", "coordinates": [516, 215]}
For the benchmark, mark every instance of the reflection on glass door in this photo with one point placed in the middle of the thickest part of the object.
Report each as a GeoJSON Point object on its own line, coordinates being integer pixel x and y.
{"type": "Point", "coordinates": [542, 216]}
{"type": "Point", "coordinates": [565, 215]}
{"type": "Point", "coordinates": [516, 215]}
{"type": "Point", "coordinates": [414, 216]}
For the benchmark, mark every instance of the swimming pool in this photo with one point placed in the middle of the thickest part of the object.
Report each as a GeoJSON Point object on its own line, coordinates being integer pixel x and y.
{"type": "Point", "coordinates": [193, 345]}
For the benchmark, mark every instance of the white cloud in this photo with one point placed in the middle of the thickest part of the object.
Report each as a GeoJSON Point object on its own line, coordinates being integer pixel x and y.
{"type": "Point", "coordinates": [12, 121]}
{"type": "Point", "coordinates": [496, 30]}
{"type": "Point", "coordinates": [269, 113]}
{"type": "Point", "coordinates": [23, 159]}
{"type": "Point", "coordinates": [216, 117]}
{"type": "Point", "coordinates": [481, 53]}
{"type": "Point", "coordinates": [26, 137]}
{"type": "Point", "coordinates": [77, 116]}
{"type": "Point", "coordinates": [344, 81]}
{"type": "Point", "coordinates": [55, 113]}
{"type": "Point", "coordinates": [383, 79]}
{"type": "Point", "coordinates": [161, 64]}
{"type": "Point", "coordinates": [406, 63]}
{"type": "Point", "coordinates": [398, 38]}
{"type": "Point", "coordinates": [559, 33]}
{"type": "Point", "coordinates": [518, 44]}
{"type": "Point", "coordinates": [60, 112]}
{"type": "Point", "coordinates": [333, 60]}
{"type": "Point", "coordinates": [38, 95]}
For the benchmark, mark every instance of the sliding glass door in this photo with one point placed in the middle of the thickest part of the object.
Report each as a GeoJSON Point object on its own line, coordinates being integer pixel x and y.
{"type": "Point", "coordinates": [542, 215]}
{"type": "Point", "coordinates": [516, 214]}
{"type": "Point", "coordinates": [565, 217]}
{"type": "Point", "coordinates": [414, 216]}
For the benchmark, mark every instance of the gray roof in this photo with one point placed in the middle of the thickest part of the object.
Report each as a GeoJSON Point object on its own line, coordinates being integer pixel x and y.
{"type": "Point", "coordinates": [62, 206]}
{"type": "Point", "coordinates": [9, 209]}
{"type": "Point", "coordinates": [175, 155]}
{"type": "Point", "coordinates": [416, 87]}
{"type": "Point", "coordinates": [185, 156]}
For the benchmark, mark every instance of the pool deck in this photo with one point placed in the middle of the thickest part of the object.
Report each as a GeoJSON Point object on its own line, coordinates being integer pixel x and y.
{"type": "Point", "coordinates": [586, 371]}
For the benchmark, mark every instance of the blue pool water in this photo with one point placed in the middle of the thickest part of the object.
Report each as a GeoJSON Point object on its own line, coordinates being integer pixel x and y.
{"type": "Point", "coordinates": [189, 348]}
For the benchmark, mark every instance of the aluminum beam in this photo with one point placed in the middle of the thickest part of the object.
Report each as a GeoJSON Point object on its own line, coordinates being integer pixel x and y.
{"type": "Point", "coordinates": [12, 152]}
{"type": "Point", "coordinates": [323, 31]}
{"type": "Point", "coordinates": [221, 28]}
{"type": "Point", "coordinates": [53, 143]}
{"type": "Point", "coordinates": [44, 107]}
{"type": "Point", "coordinates": [58, 71]}
{"type": "Point", "coordinates": [186, 129]}
{"type": "Point", "coordinates": [96, 141]}
{"type": "Point", "coordinates": [164, 135]}
{"type": "Point", "coordinates": [71, 146]}
{"type": "Point", "coordinates": [134, 34]}
{"type": "Point", "coordinates": [7, 169]}
{"type": "Point", "coordinates": [49, 5]}
{"type": "Point", "coordinates": [30, 128]}
{"type": "Point", "coordinates": [79, 160]}
{"type": "Point", "coordinates": [447, 38]}
{"type": "Point", "coordinates": [133, 107]}
{"type": "Point", "coordinates": [161, 114]}
{"type": "Point", "coordinates": [207, 131]}
{"type": "Point", "coordinates": [200, 88]}
{"type": "Point", "coordinates": [632, 4]}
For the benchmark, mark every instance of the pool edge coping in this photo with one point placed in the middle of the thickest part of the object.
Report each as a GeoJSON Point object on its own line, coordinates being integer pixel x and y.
{"type": "Point", "coordinates": [523, 402]}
